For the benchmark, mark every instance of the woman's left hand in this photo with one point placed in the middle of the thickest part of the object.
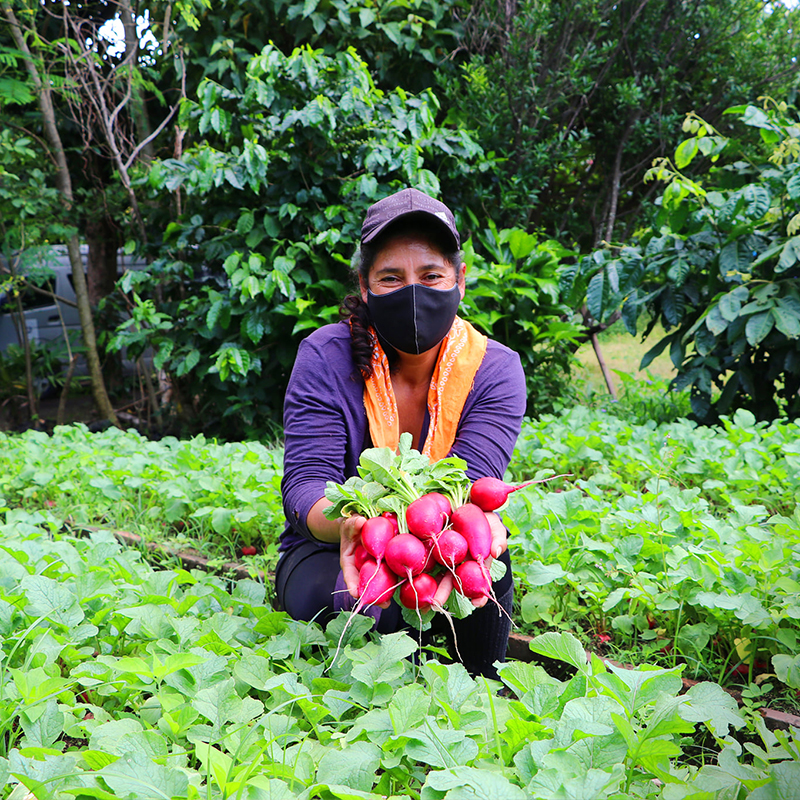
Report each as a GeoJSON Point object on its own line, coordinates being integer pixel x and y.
{"type": "Point", "coordinates": [499, 546]}
{"type": "Point", "coordinates": [499, 534]}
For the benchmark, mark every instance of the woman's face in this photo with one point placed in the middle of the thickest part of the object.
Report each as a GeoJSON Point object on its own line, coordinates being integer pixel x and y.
{"type": "Point", "coordinates": [407, 259]}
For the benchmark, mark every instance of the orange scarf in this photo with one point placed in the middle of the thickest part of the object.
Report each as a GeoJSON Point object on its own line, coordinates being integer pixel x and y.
{"type": "Point", "coordinates": [460, 355]}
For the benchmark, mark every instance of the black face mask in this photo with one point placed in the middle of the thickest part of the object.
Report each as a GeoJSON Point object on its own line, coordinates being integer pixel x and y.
{"type": "Point", "coordinates": [415, 318]}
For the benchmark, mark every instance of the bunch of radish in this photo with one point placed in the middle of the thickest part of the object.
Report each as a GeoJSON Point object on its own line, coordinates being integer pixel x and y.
{"type": "Point", "coordinates": [425, 521]}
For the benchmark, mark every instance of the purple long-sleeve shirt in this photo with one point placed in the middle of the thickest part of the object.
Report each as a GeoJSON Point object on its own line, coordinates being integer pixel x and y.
{"type": "Point", "coordinates": [326, 429]}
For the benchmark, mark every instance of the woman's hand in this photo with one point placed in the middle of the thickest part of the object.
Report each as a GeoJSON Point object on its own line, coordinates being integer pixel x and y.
{"type": "Point", "coordinates": [499, 534]}
{"type": "Point", "coordinates": [349, 539]}
{"type": "Point", "coordinates": [499, 546]}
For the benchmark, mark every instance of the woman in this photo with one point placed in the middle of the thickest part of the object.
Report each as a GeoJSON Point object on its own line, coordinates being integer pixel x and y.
{"type": "Point", "coordinates": [402, 361]}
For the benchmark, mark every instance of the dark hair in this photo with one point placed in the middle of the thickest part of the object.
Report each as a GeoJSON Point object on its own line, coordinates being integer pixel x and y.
{"type": "Point", "coordinates": [355, 310]}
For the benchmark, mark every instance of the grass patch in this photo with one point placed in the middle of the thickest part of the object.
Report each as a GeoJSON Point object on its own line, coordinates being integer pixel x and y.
{"type": "Point", "coordinates": [623, 353]}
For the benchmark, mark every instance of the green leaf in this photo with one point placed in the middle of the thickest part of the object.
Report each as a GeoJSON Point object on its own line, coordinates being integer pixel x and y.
{"type": "Point", "coordinates": [758, 327]}
{"type": "Point", "coordinates": [716, 323]}
{"type": "Point", "coordinates": [636, 688]}
{"type": "Point", "coordinates": [790, 255]}
{"type": "Point", "coordinates": [220, 704]}
{"type": "Point", "coordinates": [214, 762]}
{"type": "Point", "coordinates": [45, 777]}
{"type": "Point", "coordinates": [757, 118]}
{"type": "Point", "coordinates": [244, 224]}
{"type": "Point", "coordinates": [710, 703]}
{"type": "Point", "coordinates": [787, 322]}
{"type": "Point", "coordinates": [354, 766]}
{"type": "Point", "coordinates": [561, 646]}
{"type": "Point", "coordinates": [214, 312]}
{"type": "Point", "coordinates": [595, 295]}
{"type": "Point", "coordinates": [254, 670]}
{"type": "Point", "coordinates": [732, 260]}
{"type": "Point", "coordinates": [470, 783]}
{"type": "Point", "coordinates": [48, 598]}
{"type": "Point", "coordinates": [784, 783]}
{"type": "Point", "coordinates": [253, 326]}
{"type": "Point", "coordinates": [787, 668]}
{"type": "Point", "coordinates": [271, 226]}
{"type": "Point", "coordinates": [731, 303]}
{"type": "Point", "coordinates": [758, 199]}
{"type": "Point", "coordinates": [136, 776]}
{"type": "Point", "coordinates": [439, 747]}
{"type": "Point", "coordinates": [222, 520]}
{"type": "Point", "coordinates": [685, 152]}
{"type": "Point", "coordinates": [539, 574]}
{"type": "Point", "coordinates": [383, 661]}
{"type": "Point", "coordinates": [44, 727]}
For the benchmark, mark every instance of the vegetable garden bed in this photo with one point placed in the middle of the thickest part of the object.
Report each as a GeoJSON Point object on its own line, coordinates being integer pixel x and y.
{"type": "Point", "coordinates": [119, 680]}
{"type": "Point", "coordinates": [519, 645]}
{"type": "Point", "coordinates": [673, 548]}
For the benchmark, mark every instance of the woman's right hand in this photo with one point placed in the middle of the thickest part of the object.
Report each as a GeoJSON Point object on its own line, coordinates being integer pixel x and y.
{"type": "Point", "coordinates": [349, 539]}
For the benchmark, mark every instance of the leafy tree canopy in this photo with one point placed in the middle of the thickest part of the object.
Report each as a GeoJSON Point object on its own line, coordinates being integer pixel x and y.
{"type": "Point", "coordinates": [718, 266]}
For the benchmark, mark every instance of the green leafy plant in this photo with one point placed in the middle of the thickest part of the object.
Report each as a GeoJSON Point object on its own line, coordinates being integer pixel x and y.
{"type": "Point", "coordinates": [677, 542]}
{"type": "Point", "coordinates": [718, 268]}
{"type": "Point", "coordinates": [215, 498]}
{"type": "Point", "coordinates": [513, 296]}
{"type": "Point", "coordinates": [273, 194]}
{"type": "Point", "coordinates": [118, 680]}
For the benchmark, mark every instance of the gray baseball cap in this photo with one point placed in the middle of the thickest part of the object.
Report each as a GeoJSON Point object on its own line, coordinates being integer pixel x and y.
{"type": "Point", "coordinates": [407, 201]}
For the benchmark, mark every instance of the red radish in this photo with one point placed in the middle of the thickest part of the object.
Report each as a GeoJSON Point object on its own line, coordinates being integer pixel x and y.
{"type": "Point", "coordinates": [417, 593]}
{"type": "Point", "coordinates": [444, 504]}
{"type": "Point", "coordinates": [490, 493]}
{"type": "Point", "coordinates": [472, 580]}
{"type": "Point", "coordinates": [427, 515]}
{"type": "Point", "coordinates": [376, 534]}
{"type": "Point", "coordinates": [406, 555]}
{"type": "Point", "coordinates": [428, 554]}
{"type": "Point", "coordinates": [360, 555]}
{"type": "Point", "coordinates": [449, 548]}
{"type": "Point", "coordinates": [392, 517]}
{"type": "Point", "coordinates": [470, 521]}
{"type": "Point", "coordinates": [249, 550]}
{"type": "Point", "coordinates": [376, 584]}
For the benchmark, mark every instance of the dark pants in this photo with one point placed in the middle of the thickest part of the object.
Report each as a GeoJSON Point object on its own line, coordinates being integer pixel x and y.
{"type": "Point", "coordinates": [306, 579]}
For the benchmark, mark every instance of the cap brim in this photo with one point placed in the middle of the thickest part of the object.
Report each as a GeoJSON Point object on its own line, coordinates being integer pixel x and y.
{"type": "Point", "coordinates": [416, 212]}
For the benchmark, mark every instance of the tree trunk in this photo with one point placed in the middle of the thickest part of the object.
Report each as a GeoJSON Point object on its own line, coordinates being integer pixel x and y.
{"type": "Point", "coordinates": [101, 266]}
{"type": "Point", "coordinates": [33, 409]}
{"type": "Point", "coordinates": [141, 119]}
{"type": "Point", "coordinates": [603, 367]}
{"type": "Point", "coordinates": [64, 184]}
{"type": "Point", "coordinates": [613, 204]}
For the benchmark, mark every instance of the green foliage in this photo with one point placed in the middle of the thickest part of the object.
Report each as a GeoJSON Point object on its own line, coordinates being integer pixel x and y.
{"type": "Point", "coordinates": [719, 269]}
{"type": "Point", "coordinates": [31, 212]}
{"type": "Point", "coordinates": [216, 497]}
{"type": "Point", "coordinates": [675, 542]}
{"type": "Point", "coordinates": [47, 360]}
{"type": "Point", "coordinates": [117, 680]}
{"type": "Point", "coordinates": [642, 401]}
{"type": "Point", "coordinates": [575, 97]}
{"type": "Point", "coordinates": [273, 195]}
{"type": "Point", "coordinates": [513, 296]}
{"type": "Point", "coordinates": [402, 41]}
